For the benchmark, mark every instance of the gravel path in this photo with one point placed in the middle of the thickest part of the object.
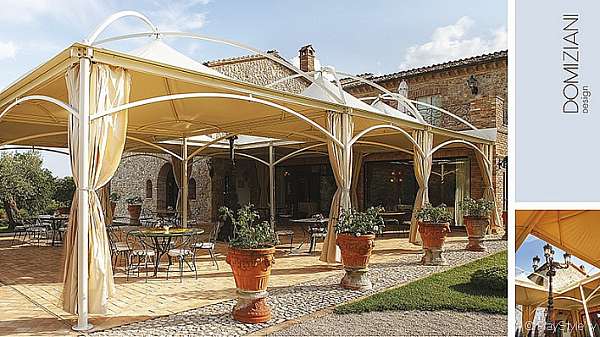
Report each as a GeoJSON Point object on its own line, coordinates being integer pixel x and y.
{"type": "Point", "coordinates": [293, 302]}
{"type": "Point", "coordinates": [401, 323]}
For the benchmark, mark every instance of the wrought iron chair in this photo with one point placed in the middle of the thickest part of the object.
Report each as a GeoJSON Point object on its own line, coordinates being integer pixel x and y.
{"type": "Point", "coordinates": [141, 251]}
{"type": "Point", "coordinates": [317, 230]}
{"type": "Point", "coordinates": [210, 244]}
{"type": "Point", "coordinates": [118, 248]}
{"type": "Point", "coordinates": [185, 253]}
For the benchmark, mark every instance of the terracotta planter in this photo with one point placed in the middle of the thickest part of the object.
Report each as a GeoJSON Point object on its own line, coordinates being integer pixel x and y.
{"type": "Point", "coordinates": [433, 236]}
{"type": "Point", "coordinates": [356, 251]}
{"type": "Point", "coordinates": [476, 230]}
{"type": "Point", "coordinates": [113, 207]}
{"type": "Point", "coordinates": [134, 212]}
{"type": "Point", "coordinates": [251, 270]}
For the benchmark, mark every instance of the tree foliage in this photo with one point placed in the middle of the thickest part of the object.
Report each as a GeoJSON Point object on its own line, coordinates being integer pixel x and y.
{"type": "Point", "coordinates": [24, 183]}
{"type": "Point", "coordinates": [64, 190]}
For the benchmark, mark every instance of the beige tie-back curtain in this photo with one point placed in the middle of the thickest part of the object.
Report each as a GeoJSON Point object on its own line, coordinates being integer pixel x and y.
{"type": "Point", "coordinates": [422, 168]}
{"type": "Point", "coordinates": [262, 176]}
{"type": "Point", "coordinates": [342, 128]}
{"type": "Point", "coordinates": [356, 168]}
{"type": "Point", "coordinates": [104, 195]}
{"type": "Point", "coordinates": [487, 171]}
{"type": "Point", "coordinates": [109, 87]}
{"type": "Point", "coordinates": [178, 173]}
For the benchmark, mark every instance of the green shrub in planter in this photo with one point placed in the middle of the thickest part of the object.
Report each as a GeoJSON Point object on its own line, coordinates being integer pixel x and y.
{"type": "Point", "coordinates": [481, 208]}
{"type": "Point", "coordinates": [494, 278]}
{"type": "Point", "coordinates": [134, 200]}
{"type": "Point", "coordinates": [248, 232]}
{"type": "Point", "coordinates": [359, 223]}
{"type": "Point", "coordinates": [434, 215]}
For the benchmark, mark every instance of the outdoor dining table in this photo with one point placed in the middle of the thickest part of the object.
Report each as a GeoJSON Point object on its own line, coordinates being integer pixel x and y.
{"type": "Point", "coordinates": [306, 223]}
{"type": "Point", "coordinates": [56, 222]}
{"type": "Point", "coordinates": [161, 238]}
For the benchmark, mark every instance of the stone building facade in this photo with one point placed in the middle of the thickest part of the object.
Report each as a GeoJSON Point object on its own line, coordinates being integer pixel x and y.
{"type": "Point", "coordinates": [444, 85]}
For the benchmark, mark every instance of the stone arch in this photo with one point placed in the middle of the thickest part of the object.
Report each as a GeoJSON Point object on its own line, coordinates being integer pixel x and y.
{"type": "Point", "coordinates": [166, 188]}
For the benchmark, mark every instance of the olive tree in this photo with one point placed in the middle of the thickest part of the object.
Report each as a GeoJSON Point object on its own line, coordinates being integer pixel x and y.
{"type": "Point", "coordinates": [24, 184]}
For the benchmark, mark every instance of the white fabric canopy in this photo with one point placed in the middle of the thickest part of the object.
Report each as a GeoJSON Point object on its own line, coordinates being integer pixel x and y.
{"type": "Point", "coordinates": [422, 168]}
{"type": "Point", "coordinates": [341, 127]}
{"type": "Point", "coordinates": [388, 110]}
{"type": "Point", "coordinates": [109, 87]}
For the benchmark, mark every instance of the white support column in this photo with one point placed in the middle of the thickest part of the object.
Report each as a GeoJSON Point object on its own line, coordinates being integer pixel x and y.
{"type": "Point", "coordinates": [585, 310]}
{"type": "Point", "coordinates": [184, 184]}
{"type": "Point", "coordinates": [272, 185]}
{"type": "Point", "coordinates": [83, 191]}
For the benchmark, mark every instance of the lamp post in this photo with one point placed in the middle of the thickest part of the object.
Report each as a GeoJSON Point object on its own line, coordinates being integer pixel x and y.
{"type": "Point", "coordinates": [552, 267]}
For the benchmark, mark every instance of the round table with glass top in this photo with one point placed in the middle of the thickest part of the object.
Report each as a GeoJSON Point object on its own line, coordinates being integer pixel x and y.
{"type": "Point", "coordinates": [160, 239]}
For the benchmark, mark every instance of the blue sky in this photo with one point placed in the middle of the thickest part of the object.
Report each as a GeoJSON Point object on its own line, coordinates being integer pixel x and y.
{"type": "Point", "coordinates": [354, 36]}
{"type": "Point", "coordinates": [534, 246]}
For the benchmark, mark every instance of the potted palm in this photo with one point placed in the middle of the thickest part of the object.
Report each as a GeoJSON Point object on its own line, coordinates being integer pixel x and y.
{"type": "Point", "coordinates": [114, 198]}
{"type": "Point", "coordinates": [250, 256]}
{"type": "Point", "coordinates": [356, 238]}
{"type": "Point", "coordinates": [476, 214]}
{"type": "Point", "coordinates": [434, 226]}
{"type": "Point", "coordinates": [134, 207]}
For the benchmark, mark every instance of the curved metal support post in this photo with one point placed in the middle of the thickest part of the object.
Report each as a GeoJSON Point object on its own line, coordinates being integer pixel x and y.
{"type": "Point", "coordinates": [287, 78]}
{"type": "Point", "coordinates": [386, 126]}
{"type": "Point", "coordinates": [218, 95]}
{"type": "Point", "coordinates": [12, 141]}
{"type": "Point", "coordinates": [297, 152]}
{"type": "Point", "coordinates": [33, 148]}
{"type": "Point", "coordinates": [401, 99]}
{"type": "Point", "coordinates": [144, 155]}
{"type": "Point", "coordinates": [119, 15]}
{"type": "Point", "coordinates": [225, 42]}
{"type": "Point", "coordinates": [462, 142]}
{"type": "Point", "coordinates": [40, 98]}
{"type": "Point", "coordinates": [385, 145]}
{"type": "Point", "coordinates": [155, 146]}
{"type": "Point", "coordinates": [567, 298]}
{"type": "Point", "coordinates": [216, 140]}
{"type": "Point", "coordinates": [252, 157]}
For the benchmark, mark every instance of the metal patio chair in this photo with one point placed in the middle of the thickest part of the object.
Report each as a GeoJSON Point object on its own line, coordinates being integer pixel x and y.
{"type": "Point", "coordinates": [210, 244]}
{"type": "Point", "coordinates": [185, 253]}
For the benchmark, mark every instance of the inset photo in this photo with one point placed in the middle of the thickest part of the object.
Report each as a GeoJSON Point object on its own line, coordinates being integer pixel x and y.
{"type": "Point", "coordinates": [557, 277]}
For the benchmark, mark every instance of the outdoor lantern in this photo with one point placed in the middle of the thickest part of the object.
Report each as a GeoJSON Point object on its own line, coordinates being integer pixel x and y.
{"type": "Point", "coordinates": [567, 257]}
{"type": "Point", "coordinates": [536, 262]}
{"type": "Point", "coordinates": [548, 252]}
{"type": "Point", "coordinates": [473, 85]}
{"type": "Point", "coordinates": [232, 149]}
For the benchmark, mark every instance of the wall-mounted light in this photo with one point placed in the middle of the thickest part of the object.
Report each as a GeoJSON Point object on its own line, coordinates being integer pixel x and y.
{"type": "Point", "coordinates": [473, 85]}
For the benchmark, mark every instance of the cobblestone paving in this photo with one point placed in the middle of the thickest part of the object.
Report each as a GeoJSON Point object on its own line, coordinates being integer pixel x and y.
{"type": "Point", "coordinates": [293, 302]}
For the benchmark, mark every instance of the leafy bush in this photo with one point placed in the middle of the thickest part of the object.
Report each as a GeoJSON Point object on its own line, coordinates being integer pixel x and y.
{"type": "Point", "coordinates": [436, 215]}
{"type": "Point", "coordinates": [494, 278]}
{"type": "Point", "coordinates": [134, 200]}
{"type": "Point", "coordinates": [247, 234]}
{"type": "Point", "coordinates": [357, 223]}
{"type": "Point", "coordinates": [64, 190]}
{"type": "Point", "coordinates": [481, 208]}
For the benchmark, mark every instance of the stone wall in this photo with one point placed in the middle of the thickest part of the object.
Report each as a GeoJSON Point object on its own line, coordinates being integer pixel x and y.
{"type": "Point", "coordinates": [134, 172]}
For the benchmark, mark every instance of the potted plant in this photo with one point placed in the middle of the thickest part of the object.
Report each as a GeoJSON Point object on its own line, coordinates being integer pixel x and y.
{"type": "Point", "coordinates": [476, 214]}
{"type": "Point", "coordinates": [134, 207]}
{"type": "Point", "coordinates": [356, 238]}
{"type": "Point", "coordinates": [433, 226]}
{"type": "Point", "coordinates": [114, 198]}
{"type": "Point", "coordinates": [250, 256]}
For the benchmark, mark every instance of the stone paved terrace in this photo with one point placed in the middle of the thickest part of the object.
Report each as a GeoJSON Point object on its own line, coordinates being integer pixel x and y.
{"type": "Point", "coordinates": [30, 288]}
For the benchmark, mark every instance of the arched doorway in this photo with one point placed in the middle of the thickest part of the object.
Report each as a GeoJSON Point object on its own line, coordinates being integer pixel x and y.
{"type": "Point", "coordinates": [167, 190]}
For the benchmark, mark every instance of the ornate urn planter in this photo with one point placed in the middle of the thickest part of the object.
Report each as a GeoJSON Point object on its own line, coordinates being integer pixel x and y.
{"type": "Point", "coordinates": [134, 212]}
{"type": "Point", "coordinates": [251, 270]}
{"type": "Point", "coordinates": [63, 210]}
{"type": "Point", "coordinates": [356, 251]}
{"type": "Point", "coordinates": [434, 237]}
{"type": "Point", "coordinates": [476, 229]}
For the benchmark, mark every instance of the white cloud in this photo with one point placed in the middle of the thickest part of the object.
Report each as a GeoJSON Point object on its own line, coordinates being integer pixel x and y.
{"type": "Point", "coordinates": [184, 15]}
{"type": "Point", "coordinates": [7, 50]}
{"type": "Point", "coordinates": [454, 42]}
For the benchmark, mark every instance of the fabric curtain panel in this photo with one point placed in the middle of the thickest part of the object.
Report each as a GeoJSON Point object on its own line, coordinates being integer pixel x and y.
{"type": "Point", "coordinates": [422, 167]}
{"type": "Point", "coordinates": [527, 315]}
{"type": "Point", "coordinates": [109, 87]}
{"type": "Point", "coordinates": [462, 190]}
{"type": "Point", "coordinates": [178, 174]}
{"type": "Point", "coordinates": [341, 127]}
{"type": "Point", "coordinates": [104, 195]}
{"type": "Point", "coordinates": [262, 177]}
{"type": "Point", "coordinates": [487, 171]}
{"type": "Point", "coordinates": [357, 162]}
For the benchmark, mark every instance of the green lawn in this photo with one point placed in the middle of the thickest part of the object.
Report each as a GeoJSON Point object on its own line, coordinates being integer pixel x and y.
{"type": "Point", "coordinates": [450, 290]}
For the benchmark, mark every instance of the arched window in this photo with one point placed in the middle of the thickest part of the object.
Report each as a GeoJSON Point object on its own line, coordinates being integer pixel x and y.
{"type": "Point", "coordinates": [192, 189]}
{"type": "Point", "coordinates": [149, 189]}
